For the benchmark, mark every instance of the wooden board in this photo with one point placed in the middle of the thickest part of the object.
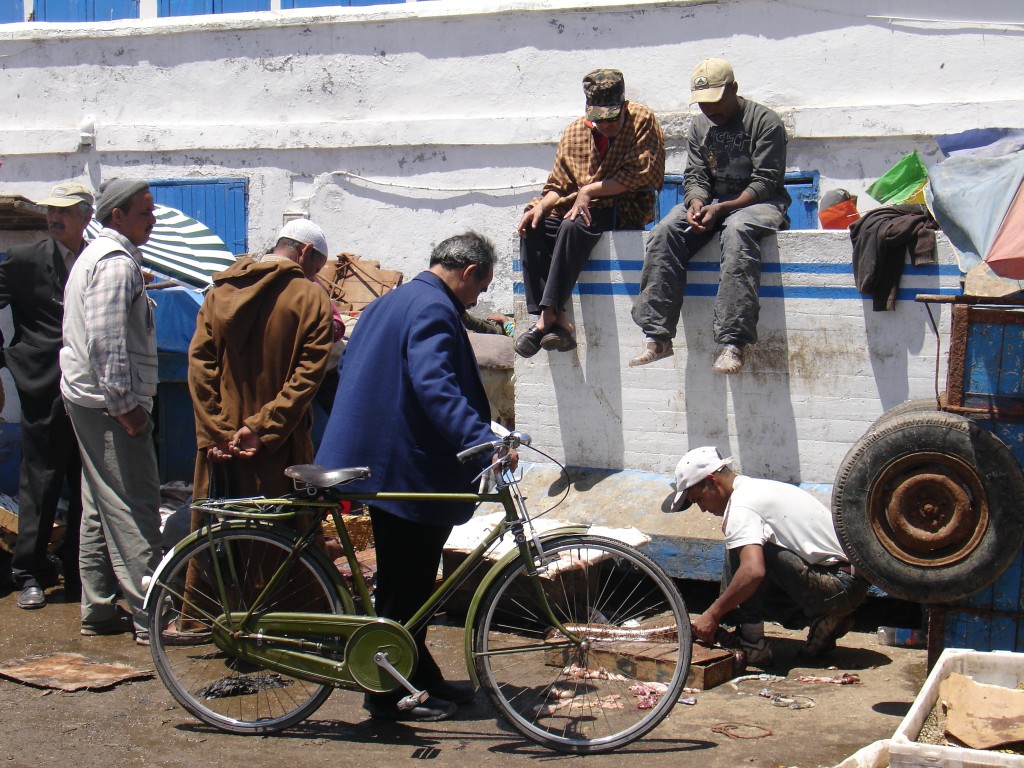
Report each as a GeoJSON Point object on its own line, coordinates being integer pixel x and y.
{"type": "Point", "coordinates": [709, 667]}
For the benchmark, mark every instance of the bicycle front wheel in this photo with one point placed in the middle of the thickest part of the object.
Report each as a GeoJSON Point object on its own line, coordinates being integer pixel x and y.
{"type": "Point", "coordinates": [209, 579]}
{"type": "Point", "coordinates": [615, 672]}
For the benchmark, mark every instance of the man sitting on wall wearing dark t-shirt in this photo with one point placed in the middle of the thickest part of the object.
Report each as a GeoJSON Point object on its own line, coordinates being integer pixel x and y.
{"type": "Point", "coordinates": [733, 187]}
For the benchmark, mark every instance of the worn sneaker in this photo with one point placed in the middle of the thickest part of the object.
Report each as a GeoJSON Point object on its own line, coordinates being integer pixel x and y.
{"type": "Point", "coordinates": [653, 350]}
{"type": "Point", "coordinates": [430, 711]}
{"type": "Point", "coordinates": [757, 654]}
{"type": "Point", "coordinates": [730, 360]}
{"type": "Point", "coordinates": [120, 624]}
{"type": "Point", "coordinates": [824, 631]}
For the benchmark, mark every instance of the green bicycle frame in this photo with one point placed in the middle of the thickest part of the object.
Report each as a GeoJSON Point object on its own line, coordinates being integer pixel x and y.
{"type": "Point", "coordinates": [303, 660]}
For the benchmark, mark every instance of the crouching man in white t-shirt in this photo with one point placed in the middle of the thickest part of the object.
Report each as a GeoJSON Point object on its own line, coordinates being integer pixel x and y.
{"type": "Point", "coordinates": [774, 532]}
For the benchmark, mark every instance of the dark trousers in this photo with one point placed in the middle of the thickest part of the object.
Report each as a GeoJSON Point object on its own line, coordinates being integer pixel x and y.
{"type": "Point", "coordinates": [49, 458]}
{"type": "Point", "coordinates": [408, 556]}
{"type": "Point", "coordinates": [553, 256]}
{"type": "Point", "coordinates": [793, 587]}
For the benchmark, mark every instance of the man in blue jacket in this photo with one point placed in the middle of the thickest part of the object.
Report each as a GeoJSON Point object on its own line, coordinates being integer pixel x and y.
{"type": "Point", "coordinates": [410, 397]}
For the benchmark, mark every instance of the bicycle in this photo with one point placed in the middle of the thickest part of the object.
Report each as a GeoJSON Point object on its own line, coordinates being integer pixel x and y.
{"type": "Point", "coordinates": [581, 642]}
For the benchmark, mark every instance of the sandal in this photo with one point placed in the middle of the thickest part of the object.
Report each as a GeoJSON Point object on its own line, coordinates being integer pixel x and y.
{"type": "Point", "coordinates": [528, 343]}
{"type": "Point", "coordinates": [653, 350]}
{"type": "Point", "coordinates": [558, 339]}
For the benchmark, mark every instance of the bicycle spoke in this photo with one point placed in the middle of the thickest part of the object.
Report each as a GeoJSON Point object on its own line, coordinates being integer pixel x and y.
{"type": "Point", "coordinates": [624, 675]}
{"type": "Point", "coordinates": [209, 581]}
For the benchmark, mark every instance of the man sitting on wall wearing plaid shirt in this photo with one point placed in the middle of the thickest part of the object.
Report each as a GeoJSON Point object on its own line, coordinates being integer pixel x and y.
{"type": "Point", "coordinates": [608, 168]}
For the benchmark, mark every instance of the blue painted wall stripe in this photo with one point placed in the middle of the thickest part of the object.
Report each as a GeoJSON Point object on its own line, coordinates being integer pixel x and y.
{"type": "Point", "coordinates": [767, 291]}
{"type": "Point", "coordinates": [786, 267]}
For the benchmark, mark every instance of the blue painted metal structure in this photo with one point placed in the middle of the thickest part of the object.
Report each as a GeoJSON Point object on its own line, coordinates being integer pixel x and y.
{"type": "Point", "coordinates": [986, 382]}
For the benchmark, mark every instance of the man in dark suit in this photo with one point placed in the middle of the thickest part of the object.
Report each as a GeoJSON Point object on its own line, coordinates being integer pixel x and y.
{"type": "Point", "coordinates": [410, 397]}
{"type": "Point", "coordinates": [32, 280]}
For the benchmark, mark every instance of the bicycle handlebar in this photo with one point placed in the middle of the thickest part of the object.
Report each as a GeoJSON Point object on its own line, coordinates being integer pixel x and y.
{"type": "Point", "coordinates": [512, 440]}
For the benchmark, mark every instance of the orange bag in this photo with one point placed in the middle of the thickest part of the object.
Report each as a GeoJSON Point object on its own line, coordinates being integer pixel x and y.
{"type": "Point", "coordinates": [839, 216]}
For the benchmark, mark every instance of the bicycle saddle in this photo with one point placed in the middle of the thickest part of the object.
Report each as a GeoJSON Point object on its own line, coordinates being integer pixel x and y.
{"type": "Point", "coordinates": [322, 477]}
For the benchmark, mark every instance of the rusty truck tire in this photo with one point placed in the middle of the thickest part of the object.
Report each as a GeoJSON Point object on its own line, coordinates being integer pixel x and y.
{"type": "Point", "coordinates": [921, 405]}
{"type": "Point", "coordinates": [926, 506]}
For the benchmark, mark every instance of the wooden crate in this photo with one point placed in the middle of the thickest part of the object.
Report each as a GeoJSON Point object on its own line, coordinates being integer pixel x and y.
{"type": "Point", "coordinates": [709, 667]}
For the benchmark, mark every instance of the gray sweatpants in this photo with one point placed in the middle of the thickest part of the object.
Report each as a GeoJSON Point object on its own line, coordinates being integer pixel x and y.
{"type": "Point", "coordinates": [120, 543]}
{"type": "Point", "coordinates": [664, 274]}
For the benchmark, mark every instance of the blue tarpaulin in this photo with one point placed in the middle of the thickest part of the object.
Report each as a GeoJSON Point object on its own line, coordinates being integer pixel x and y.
{"type": "Point", "coordinates": [175, 316]}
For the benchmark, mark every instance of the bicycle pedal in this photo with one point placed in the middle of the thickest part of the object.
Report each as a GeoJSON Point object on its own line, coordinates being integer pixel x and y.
{"type": "Point", "coordinates": [412, 701]}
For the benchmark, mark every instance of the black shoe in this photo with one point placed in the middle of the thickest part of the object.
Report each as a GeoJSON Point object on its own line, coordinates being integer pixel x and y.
{"type": "Point", "coordinates": [31, 597]}
{"type": "Point", "coordinates": [528, 343]}
{"type": "Point", "coordinates": [457, 693]}
{"type": "Point", "coordinates": [430, 711]}
{"type": "Point", "coordinates": [558, 339]}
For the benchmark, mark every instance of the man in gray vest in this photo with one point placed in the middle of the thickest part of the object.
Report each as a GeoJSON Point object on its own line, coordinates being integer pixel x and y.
{"type": "Point", "coordinates": [108, 380]}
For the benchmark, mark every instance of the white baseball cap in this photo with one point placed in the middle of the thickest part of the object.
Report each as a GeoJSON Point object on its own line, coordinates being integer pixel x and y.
{"type": "Point", "coordinates": [694, 467]}
{"type": "Point", "coordinates": [306, 232]}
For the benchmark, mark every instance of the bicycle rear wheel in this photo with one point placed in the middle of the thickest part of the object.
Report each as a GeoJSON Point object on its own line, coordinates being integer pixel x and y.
{"type": "Point", "coordinates": [225, 573]}
{"type": "Point", "coordinates": [619, 682]}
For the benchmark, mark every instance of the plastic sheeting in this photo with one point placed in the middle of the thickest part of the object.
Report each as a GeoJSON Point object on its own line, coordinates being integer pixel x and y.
{"type": "Point", "coordinates": [970, 198]}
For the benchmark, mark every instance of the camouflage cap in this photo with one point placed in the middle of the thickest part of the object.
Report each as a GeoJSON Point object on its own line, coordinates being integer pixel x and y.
{"type": "Point", "coordinates": [605, 90]}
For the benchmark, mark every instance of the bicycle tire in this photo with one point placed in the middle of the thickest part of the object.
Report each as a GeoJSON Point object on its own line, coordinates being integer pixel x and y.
{"type": "Point", "coordinates": [227, 693]}
{"type": "Point", "coordinates": [577, 700]}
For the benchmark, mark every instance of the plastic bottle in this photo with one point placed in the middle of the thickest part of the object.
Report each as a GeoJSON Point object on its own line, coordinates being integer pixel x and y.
{"type": "Point", "coordinates": [903, 638]}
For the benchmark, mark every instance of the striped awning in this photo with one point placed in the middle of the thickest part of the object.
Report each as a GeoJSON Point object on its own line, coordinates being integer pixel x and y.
{"type": "Point", "coordinates": [181, 248]}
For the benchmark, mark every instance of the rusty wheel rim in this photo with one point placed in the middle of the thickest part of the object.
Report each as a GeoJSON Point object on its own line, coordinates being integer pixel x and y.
{"type": "Point", "coordinates": [929, 509]}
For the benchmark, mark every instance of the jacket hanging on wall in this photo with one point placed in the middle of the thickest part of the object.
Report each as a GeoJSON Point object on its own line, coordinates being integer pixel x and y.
{"type": "Point", "coordinates": [881, 239]}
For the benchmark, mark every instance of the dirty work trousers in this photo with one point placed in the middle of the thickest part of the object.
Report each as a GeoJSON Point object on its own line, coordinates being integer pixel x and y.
{"type": "Point", "coordinates": [669, 250]}
{"type": "Point", "coordinates": [813, 590]}
{"type": "Point", "coordinates": [553, 255]}
{"type": "Point", "coordinates": [120, 542]}
{"type": "Point", "coordinates": [49, 456]}
{"type": "Point", "coordinates": [408, 556]}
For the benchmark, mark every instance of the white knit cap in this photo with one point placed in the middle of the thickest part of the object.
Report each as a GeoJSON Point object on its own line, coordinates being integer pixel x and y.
{"type": "Point", "coordinates": [306, 232]}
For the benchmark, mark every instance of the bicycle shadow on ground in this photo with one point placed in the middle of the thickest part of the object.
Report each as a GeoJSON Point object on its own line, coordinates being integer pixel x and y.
{"type": "Point", "coordinates": [429, 739]}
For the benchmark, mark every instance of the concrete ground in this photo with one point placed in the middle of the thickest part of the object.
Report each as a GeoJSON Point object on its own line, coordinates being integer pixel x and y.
{"type": "Point", "coordinates": [138, 723]}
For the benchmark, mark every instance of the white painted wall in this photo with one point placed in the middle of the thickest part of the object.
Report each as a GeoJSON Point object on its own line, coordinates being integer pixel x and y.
{"type": "Point", "coordinates": [824, 368]}
{"type": "Point", "coordinates": [398, 125]}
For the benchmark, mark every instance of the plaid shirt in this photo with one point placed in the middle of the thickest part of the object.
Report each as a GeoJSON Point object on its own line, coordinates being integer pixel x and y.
{"type": "Point", "coordinates": [116, 284]}
{"type": "Point", "coordinates": [635, 159]}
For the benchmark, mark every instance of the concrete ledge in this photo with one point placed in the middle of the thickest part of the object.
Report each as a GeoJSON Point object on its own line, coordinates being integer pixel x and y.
{"type": "Point", "coordinates": [824, 368]}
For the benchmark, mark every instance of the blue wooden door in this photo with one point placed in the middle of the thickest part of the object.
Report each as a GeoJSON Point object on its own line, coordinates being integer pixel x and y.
{"type": "Point", "coordinates": [220, 204]}
{"type": "Point", "coordinates": [11, 11]}
{"type": "Point", "coordinates": [321, 3]}
{"type": "Point", "coordinates": [86, 10]}
{"type": "Point", "coordinates": [201, 7]}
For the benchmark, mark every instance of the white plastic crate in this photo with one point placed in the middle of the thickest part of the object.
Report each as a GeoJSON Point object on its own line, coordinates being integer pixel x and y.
{"type": "Point", "coordinates": [993, 668]}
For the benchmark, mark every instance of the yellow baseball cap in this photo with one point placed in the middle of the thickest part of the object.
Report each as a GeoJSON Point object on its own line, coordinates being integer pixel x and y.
{"type": "Point", "coordinates": [66, 195]}
{"type": "Point", "coordinates": [709, 80]}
